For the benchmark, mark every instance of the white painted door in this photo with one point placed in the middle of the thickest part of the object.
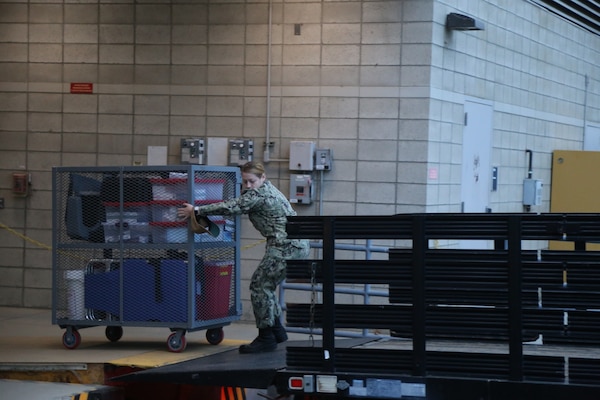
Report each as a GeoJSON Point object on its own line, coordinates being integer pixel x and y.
{"type": "Point", "coordinates": [476, 163]}
{"type": "Point", "coordinates": [591, 140]}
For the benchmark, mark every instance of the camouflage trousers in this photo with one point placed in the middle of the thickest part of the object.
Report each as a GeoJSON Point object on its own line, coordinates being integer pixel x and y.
{"type": "Point", "coordinates": [270, 273]}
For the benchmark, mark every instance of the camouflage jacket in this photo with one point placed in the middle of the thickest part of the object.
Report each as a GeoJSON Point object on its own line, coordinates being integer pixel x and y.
{"type": "Point", "coordinates": [267, 209]}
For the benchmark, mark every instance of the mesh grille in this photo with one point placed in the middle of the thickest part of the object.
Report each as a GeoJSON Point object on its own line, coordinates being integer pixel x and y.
{"type": "Point", "coordinates": [123, 257]}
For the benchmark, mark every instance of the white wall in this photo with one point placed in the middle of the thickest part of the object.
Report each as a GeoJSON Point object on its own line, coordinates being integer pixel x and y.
{"type": "Point", "coordinates": [532, 65]}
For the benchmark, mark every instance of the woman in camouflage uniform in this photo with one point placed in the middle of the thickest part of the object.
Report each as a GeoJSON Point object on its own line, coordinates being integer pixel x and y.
{"type": "Point", "coordinates": [267, 209]}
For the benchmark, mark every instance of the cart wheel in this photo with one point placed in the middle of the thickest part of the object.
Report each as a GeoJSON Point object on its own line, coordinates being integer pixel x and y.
{"type": "Point", "coordinates": [215, 335]}
{"type": "Point", "coordinates": [176, 342]}
{"type": "Point", "coordinates": [114, 333]}
{"type": "Point", "coordinates": [71, 339]}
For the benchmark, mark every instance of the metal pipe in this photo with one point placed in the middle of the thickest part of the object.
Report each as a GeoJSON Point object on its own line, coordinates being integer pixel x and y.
{"type": "Point", "coordinates": [585, 103]}
{"type": "Point", "coordinates": [530, 168]}
{"type": "Point", "coordinates": [266, 153]}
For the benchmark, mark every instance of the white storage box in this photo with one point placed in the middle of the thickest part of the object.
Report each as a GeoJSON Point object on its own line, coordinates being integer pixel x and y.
{"type": "Point", "coordinates": [169, 232]}
{"type": "Point", "coordinates": [116, 216]}
{"type": "Point", "coordinates": [208, 189]}
{"type": "Point", "coordinates": [137, 212]}
{"type": "Point", "coordinates": [129, 232]}
{"type": "Point", "coordinates": [177, 232]}
{"type": "Point", "coordinates": [169, 189]}
{"type": "Point", "coordinates": [165, 210]}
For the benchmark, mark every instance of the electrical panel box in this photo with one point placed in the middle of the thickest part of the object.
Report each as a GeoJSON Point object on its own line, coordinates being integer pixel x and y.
{"type": "Point", "coordinates": [217, 151]}
{"type": "Point", "coordinates": [302, 156]}
{"type": "Point", "coordinates": [323, 159]}
{"type": "Point", "coordinates": [532, 192]}
{"type": "Point", "coordinates": [240, 151]}
{"type": "Point", "coordinates": [301, 188]}
{"type": "Point", "coordinates": [20, 183]}
{"type": "Point", "coordinates": [192, 151]}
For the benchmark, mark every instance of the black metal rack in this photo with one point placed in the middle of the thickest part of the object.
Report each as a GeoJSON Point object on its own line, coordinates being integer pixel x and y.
{"type": "Point", "coordinates": [461, 316]}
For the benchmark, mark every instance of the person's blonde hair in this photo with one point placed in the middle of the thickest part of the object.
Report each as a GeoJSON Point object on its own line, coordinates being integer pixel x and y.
{"type": "Point", "coordinates": [255, 168]}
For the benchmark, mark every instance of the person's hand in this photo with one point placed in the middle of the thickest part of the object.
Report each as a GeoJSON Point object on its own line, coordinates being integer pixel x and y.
{"type": "Point", "coordinates": [186, 211]}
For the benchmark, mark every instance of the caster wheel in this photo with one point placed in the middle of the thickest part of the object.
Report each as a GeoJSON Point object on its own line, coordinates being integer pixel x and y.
{"type": "Point", "coordinates": [215, 335]}
{"type": "Point", "coordinates": [71, 339]}
{"type": "Point", "coordinates": [114, 333]}
{"type": "Point", "coordinates": [176, 342]}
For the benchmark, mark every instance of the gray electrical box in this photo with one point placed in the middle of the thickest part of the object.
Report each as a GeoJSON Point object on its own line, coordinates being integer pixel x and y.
{"type": "Point", "coordinates": [301, 188]}
{"type": "Point", "coordinates": [532, 192]}
{"type": "Point", "coordinates": [240, 151]}
{"type": "Point", "coordinates": [302, 156]}
{"type": "Point", "coordinates": [323, 159]}
{"type": "Point", "coordinates": [192, 151]}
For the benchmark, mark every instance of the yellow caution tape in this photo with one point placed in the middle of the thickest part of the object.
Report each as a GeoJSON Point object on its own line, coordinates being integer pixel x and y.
{"type": "Point", "coordinates": [26, 238]}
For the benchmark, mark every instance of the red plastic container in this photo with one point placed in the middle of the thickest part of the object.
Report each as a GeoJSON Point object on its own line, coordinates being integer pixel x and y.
{"type": "Point", "coordinates": [213, 300]}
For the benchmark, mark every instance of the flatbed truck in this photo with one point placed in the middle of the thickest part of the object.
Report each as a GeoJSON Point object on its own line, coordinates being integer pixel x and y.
{"type": "Point", "coordinates": [491, 306]}
{"type": "Point", "coordinates": [503, 316]}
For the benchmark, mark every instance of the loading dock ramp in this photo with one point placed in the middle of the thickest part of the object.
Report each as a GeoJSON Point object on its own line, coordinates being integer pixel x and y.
{"type": "Point", "coordinates": [228, 368]}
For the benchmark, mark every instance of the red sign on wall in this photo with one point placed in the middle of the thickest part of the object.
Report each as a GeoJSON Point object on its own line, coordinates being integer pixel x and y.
{"type": "Point", "coordinates": [82, 88]}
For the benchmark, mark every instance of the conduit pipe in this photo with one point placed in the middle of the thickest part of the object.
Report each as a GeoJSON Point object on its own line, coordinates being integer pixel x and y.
{"type": "Point", "coordinates": [266, 154]}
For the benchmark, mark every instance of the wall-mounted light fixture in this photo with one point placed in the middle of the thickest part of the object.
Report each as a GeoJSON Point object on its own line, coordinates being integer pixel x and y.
{"type": "Point", "coordinates": [460, 22]}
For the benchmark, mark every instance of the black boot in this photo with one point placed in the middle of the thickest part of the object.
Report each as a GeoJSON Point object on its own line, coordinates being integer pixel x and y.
{"type": "Point", "coordinates": [279, 331]}
{"type": "Point", "coordinates": [264, 342]}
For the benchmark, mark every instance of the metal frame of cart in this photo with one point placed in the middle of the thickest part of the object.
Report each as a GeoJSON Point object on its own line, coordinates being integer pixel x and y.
{"type": "Point", "coordinates": [122, 258]}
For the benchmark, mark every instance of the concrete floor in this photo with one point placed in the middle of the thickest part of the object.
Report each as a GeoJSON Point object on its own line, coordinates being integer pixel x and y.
{"type": "Point", "coordinates": [32, 353]}
{"type": "Point", "coordinates": [28, 336]}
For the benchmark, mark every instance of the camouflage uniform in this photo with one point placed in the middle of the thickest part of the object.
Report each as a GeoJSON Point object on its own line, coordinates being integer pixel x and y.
{"type": "Point", "coordinates": [267, 209]}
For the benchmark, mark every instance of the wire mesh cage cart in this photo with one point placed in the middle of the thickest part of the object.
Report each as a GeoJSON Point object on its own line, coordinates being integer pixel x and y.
{"type": "Point", "coordinates": [122, 257]}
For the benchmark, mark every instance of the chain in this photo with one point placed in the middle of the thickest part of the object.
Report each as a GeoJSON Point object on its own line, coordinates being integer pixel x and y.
{"type": "Point", "coordinates": [313, 300]}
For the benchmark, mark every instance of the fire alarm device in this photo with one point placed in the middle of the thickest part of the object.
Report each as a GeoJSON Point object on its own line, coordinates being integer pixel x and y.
{"type": "Point", "coordinates": [20, 183]}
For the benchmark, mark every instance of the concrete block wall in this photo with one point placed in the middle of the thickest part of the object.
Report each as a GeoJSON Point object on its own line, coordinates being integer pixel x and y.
{"type": "Point", "coordinates": [164, 70]}
{"type": "Point", "coordinates": [533, 66]}
{"type": "Point", "coordinates": [381, 83]}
